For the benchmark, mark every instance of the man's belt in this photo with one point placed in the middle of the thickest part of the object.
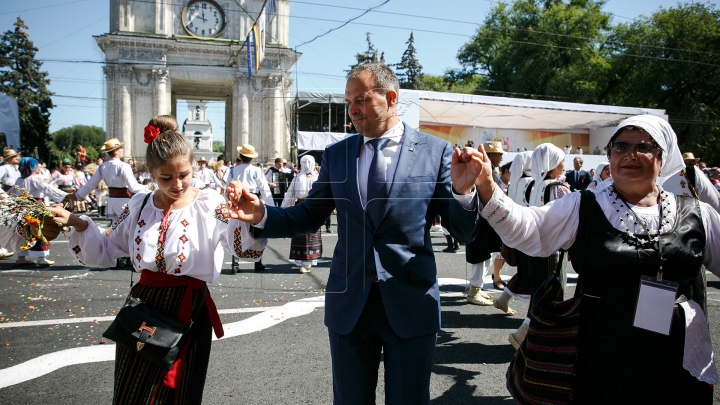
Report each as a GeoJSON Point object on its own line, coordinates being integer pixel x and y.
{"type": "Point", "coordinates": [119, 192]}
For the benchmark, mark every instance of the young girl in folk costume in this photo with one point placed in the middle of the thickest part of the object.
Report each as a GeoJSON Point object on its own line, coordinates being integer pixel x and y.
{"type": "Point", "coordinates": [80, 180]}
{"type": "Point", "coordinates": [304, 249]}
{"type": "Point", "coordinates": [176, 241]}
{"type": "Point", "coordinates": [32, 181]}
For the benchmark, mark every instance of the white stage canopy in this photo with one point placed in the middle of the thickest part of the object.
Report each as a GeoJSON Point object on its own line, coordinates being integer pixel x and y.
{"type": "Point", "coordinates": [470, 110]}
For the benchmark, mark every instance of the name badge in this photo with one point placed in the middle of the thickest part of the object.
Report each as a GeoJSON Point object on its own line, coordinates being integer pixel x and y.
{"type": "Point", "coordinates": [655, 304]}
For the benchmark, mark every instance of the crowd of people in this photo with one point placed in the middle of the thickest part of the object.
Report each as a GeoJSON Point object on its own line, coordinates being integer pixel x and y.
{"type": "Point", "coordinates": [646, 212]}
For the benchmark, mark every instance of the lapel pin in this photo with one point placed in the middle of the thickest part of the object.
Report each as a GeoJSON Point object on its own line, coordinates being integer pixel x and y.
{"type": "Point", "coordinates": [412, 149]}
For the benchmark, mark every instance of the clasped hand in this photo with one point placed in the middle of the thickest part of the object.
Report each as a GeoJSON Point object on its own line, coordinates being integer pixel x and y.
{"type": "Point", "coordinates": [470, 167]}
{"type": "Point", "coordinates": [242, 204]}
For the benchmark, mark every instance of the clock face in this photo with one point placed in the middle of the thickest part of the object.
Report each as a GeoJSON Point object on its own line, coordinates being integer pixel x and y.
{"type": "Point", "coordinates": [203, 18]}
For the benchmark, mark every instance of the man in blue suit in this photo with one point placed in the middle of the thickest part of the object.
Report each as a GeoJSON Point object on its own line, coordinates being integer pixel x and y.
{"type": "Point", "coordinates": [382, 295]}
{"type": "Point", "coordinates": [578, 179]}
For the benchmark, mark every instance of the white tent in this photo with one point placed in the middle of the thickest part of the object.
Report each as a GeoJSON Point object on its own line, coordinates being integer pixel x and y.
{"type": "Point", "coordinates": [515, 113]}
{"type": "Point", "coordinates": [418, 107]}
{"type": "Point", "coordinates": [9, 121]}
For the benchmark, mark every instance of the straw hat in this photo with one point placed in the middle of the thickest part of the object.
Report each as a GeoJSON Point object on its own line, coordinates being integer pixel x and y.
{"type": "Point", "coordinates": [111, 145]}
{"type": "Point", "coordinates": [202, 159]}
{"type": "Point", "coordinates": [247, 150]}
{"type": "Point", "coordinates": [493, 147]}
{"type": "Point", "coordinates": [10, 153]}
{"type": "Point", "coordinates": [689, 156]}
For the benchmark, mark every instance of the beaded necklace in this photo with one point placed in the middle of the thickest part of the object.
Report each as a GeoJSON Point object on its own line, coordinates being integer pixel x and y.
{"type": "Point", "coordinates": [650, 238]}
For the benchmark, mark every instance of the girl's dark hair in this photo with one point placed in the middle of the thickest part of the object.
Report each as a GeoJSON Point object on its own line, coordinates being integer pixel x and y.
{"type": "Point", "coordinates": [164, 122]}
{"type": "Point", "coordinates": [506, 167]}
{"type": "Point", "coordinates": [167, 146]}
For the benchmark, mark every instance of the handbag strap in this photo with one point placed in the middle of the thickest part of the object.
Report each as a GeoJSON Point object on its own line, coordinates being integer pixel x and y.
{"type": "Point", "coordinates": [147, 197]}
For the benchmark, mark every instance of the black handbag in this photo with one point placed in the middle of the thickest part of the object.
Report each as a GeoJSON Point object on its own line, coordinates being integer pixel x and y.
{"type": "Point", "coordinates": [152, 334]}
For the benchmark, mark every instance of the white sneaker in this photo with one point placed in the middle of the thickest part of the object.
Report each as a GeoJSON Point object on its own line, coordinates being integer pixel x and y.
{"type": "Point", "coordinates": [6, 254]}
{"type": "Point", "coordinates": [305, 269]}
{"type": "Point", "coordinates": [476, 296]}
{"type": "Point", "coordinates": [45, 261]}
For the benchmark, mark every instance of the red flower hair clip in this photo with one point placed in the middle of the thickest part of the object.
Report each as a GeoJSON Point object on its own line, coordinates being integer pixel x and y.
{"type": "Point", "coordinates": [151, 132]}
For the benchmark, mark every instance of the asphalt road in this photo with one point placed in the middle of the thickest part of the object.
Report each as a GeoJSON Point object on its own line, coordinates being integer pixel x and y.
{"type": "Point", "coordinates": [276, 349]}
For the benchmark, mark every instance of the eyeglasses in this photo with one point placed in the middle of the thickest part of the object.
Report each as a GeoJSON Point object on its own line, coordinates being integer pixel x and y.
{"type": "Point", "coordinates": [641, 147]}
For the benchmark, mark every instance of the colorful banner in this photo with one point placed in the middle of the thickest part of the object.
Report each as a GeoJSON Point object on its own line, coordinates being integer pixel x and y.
{"type": "Point", "coordinates": [512, 140]}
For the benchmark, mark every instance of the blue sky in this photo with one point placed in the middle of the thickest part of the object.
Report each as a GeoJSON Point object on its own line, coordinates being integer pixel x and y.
{"type": "Point", "coordinates": [63, 32]}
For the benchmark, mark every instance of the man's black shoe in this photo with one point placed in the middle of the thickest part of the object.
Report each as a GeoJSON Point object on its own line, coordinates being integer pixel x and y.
{"type": "Point", "coordinates": [328, 230]}
{"type": "Point", "coordinates": [259, 266]}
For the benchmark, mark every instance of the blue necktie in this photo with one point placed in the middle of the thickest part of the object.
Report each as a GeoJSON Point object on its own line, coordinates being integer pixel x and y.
{"type": "Point", "coordinates": [377, 184]}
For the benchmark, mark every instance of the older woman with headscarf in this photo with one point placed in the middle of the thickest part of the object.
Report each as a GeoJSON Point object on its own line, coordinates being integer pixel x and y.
{"type": "Point", "coordinates": [518, 287]}
{"type": "Point", "coordinates": [31, 180]}
{"type": "Point", "coordinates": [304, 249]}
{"type": "Point", "coordinates": [547, 165]}
{"type": "Point", "coordinates": [602, 173]}
{"type": "Point", "coordinates": [638, 230]}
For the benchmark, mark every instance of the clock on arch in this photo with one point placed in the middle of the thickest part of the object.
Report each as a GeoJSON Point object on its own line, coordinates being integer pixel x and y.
{"type": "Point", "coordinates": [203, 18]}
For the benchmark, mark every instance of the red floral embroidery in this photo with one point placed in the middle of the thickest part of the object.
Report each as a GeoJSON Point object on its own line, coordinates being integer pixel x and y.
{"type": "Point", "coordinates": [184, 222]}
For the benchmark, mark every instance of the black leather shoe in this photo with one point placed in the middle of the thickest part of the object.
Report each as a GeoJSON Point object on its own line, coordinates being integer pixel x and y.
{"type": "Point", "coordinates": [259, 266]}
{"type": "Point", "coordinates": [328, 230]}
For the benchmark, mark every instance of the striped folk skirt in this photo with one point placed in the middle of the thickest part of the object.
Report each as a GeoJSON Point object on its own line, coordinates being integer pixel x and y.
{"type": "Point", "coordinates": [139, 381]}
{"type": "Point", "coordinates": [306, 247]}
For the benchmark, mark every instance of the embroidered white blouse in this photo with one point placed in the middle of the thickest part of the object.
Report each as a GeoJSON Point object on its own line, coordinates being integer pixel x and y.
{"type": "Point", "coordinates": [186, 242]}
{"type": "Point", "coordinates": [524, 228]}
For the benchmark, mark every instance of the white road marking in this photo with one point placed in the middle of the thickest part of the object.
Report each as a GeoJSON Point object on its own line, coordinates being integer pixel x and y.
{"type": "Point", "coordinates": [48, 363]}
{"type": "Point", "coordinates": [17, 271]}
{"type": "Point", "coordinates": [108, 318]}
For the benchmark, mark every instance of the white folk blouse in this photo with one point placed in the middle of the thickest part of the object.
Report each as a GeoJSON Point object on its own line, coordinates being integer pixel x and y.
{"type": "Point", "coordinates": [185, 242]}
{"type": "Point", "coordinates": [526, 228]}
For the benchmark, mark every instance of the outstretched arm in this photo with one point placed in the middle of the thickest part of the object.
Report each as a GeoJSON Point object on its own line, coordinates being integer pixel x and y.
{"type": "Point", "coordinates": [244, 205]}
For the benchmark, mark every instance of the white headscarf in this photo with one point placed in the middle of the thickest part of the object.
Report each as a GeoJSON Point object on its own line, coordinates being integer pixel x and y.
{"type": "Point", "coordinates": [301, 184]}
{"type": "Point", "coordinates": [599, 170]}
{"type": "Point", "coordinates": [545, 157]}
{"type": "Point", "coordinates": [662, 133]}
{"type": "Point", "coordinates": [307, 165]}
{"type": "Point", "coordinates": [520, 164]}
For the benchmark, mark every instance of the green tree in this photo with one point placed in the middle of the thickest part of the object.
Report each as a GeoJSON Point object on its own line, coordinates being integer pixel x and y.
{"type": "Point", "coordinates": [409, 70]}
{"type": "Point", "coordinates": [22, 79]}
{"type": "Point", "coordinates": [64, 142]}
{"type": "Point", "coordinates": [671, 61]}
{"type": "Point", "coordinates": [218, 146]}
{"type": "Point", "coordinates": [450, 83]}
{"type": "Point", "coordinates": [551, 48]}
{"type": "Point", "coordinates": [369, 56]}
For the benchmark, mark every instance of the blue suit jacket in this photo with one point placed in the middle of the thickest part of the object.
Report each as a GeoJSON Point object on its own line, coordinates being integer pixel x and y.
{"type": "Point", "coordinates": [400, 248]}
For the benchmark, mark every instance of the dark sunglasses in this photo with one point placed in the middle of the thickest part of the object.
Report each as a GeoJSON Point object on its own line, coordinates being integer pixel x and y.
{"type": "Point", "coordinates": [641, 147]}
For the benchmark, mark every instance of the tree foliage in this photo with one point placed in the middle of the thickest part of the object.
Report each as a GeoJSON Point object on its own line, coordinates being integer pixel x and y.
{"type": "Point", "coordinates": [369, 56]}
{"type": "Point", "coordinates": [671, 61]}
{"type": "Point", "coordinates": [218, 146]}
{"type": "Point", "coordinates": [64, 142]}
{"type": "Point", "coordinates": [22, 79]}
{"type": "Point", "coordinates": [568, 50]}
{"type": "Point", "coordinates": [541, 49]}
{"type": "Point", "coordinates": [409, 70]}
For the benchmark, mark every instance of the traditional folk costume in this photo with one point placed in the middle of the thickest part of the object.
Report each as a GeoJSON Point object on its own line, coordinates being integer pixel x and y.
{"type": "Point", "coordinates": [207, 176]}
{"type": "Point", "coordinates": [619, 363]}
{"type": "Point", "coordinates": [36, 186]}
{"type": "Point", "coordinates": [121, 184]}
{"type": "Point", "coordinates": [177, 253]}
{"type": "Point", "coordinates": [518, 287]}
{"type": "Point", "coordinates": [596, 178]}
{"type": "Point", "coordinates": [304, 249]}
{"type": "Point", "coordinates": [9, 173]}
